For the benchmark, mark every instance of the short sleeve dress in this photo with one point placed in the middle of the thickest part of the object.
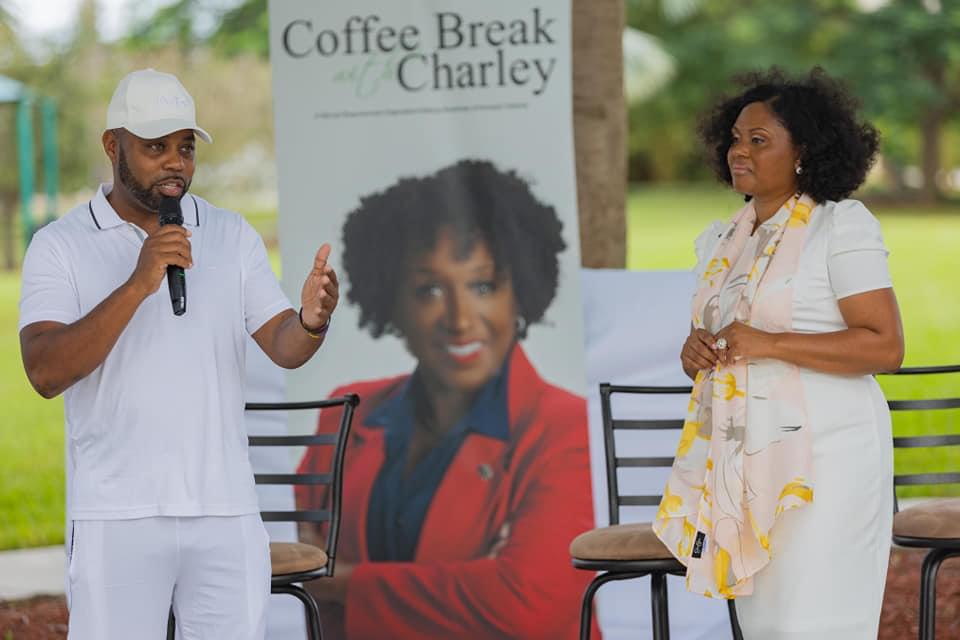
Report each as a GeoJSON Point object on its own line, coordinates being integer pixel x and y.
{"type": "Point", "coordinates": [829, 559]}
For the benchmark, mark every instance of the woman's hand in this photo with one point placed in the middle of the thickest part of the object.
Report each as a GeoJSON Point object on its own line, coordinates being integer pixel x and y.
{"type": "Point", "coordinates": [699, 352]}
{"type": "Point", "coordinates": [743, 341]}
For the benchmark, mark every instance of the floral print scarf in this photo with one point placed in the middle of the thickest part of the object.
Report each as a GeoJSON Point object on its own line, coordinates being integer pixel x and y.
{"type": "Point", "coordinates": [744, 455]}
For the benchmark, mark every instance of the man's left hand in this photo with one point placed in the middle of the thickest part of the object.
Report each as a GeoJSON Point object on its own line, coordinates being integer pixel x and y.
{"type": "Point", "coordinates": [321, 291]}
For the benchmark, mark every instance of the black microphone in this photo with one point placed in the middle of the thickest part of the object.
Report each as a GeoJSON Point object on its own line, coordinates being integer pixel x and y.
{"type": "Point", "coordinates": [170, 214]}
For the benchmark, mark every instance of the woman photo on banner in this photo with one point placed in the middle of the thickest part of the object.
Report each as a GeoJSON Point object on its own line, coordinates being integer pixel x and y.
{"type": "Point", "coordinates": [781, 494]}
{"type": "Point", "coordinates": [466, 479]}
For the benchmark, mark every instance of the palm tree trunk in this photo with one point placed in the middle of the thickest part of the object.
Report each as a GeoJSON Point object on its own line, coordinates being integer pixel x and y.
{"type": "Point", "coordinates": [930, 130]}
{"type": "Point", "coordinates": [600, 130]}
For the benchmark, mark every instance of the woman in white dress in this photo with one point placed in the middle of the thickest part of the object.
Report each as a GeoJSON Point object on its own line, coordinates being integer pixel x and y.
{"type": "Point", "coordinates": [781, 493]}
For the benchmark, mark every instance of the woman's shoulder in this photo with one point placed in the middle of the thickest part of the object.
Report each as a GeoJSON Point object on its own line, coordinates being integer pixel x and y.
{"type": "Point", "coordinates": [848, 212]}
{"type": "Point", "coordinates": [850, 225]}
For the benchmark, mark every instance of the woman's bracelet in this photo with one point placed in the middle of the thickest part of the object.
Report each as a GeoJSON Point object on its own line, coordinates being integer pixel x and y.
{"type": "Point", "coordinates": [316, 334]}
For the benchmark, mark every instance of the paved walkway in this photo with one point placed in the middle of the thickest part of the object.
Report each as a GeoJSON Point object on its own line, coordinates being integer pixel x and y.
{"type": "Point", "coordinates": [30, 572]}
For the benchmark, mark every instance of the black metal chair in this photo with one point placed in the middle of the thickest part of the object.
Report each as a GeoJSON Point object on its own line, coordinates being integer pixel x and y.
{"type": "Point", "coordinates": [935, 524]}
{"type": "Point", "coordinates": [293, 563]}
{"type": "Point", "coordinates": [625, 551]}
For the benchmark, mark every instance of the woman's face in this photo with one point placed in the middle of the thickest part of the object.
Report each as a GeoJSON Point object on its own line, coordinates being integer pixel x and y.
{"type": "Point", "coordinates": [458, 318]}
{"type": "Point", "coordinates": [762, 157]}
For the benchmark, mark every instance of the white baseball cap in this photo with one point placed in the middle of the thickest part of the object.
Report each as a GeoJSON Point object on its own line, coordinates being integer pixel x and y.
{"type": "Point", "coordinates": [152, 104]}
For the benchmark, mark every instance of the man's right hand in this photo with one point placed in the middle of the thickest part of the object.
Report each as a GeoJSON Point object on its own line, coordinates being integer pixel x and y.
{"type": "Point", "coordinates": [698, 352]}
{"type": "Point", "coordinates": [168, 245]}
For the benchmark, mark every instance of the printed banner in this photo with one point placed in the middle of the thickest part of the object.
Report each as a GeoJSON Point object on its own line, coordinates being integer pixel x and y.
{"type": "Point", "coordinates": [430, 143]}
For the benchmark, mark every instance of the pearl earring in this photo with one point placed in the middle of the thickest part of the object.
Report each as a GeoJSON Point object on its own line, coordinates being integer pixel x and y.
{"type": "Point", "coordinates": [799, 169]}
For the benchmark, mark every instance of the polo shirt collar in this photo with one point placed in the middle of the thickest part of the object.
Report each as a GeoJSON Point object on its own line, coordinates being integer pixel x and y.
{"type": "Point", "coordinates": [104, 216]}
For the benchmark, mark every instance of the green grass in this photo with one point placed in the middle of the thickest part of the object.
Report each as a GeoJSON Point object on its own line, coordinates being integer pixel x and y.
{"type": "Point", "coordinates": [31, 442]}
{"type": "Point", "coordinates": [663, 222]}
{"type": "Point", "coordinates": [924, 263]}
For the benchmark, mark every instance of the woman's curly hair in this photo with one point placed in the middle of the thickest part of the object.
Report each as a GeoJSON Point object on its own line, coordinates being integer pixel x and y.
{"type": "Point", "coordinates": [474, 201]}
{"type": "Point", "coordinates": [836, 148]}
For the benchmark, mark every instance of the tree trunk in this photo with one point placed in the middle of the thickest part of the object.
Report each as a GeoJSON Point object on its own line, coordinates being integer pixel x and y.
{"type": "Point", "coordinates": [930, 129]}
{"type": "Point", "coordinates": [600, 131]}
{"type": "Point", "coordinates": [893, 170]}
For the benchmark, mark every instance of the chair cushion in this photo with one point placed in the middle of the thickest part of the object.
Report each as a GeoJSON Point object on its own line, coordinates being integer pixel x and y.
{"type": "Point", "coordinates": [620, 542]}
{"type": "Point", "coordinates": [295, 557]}
{"type": "Point", "coordinates": [934, 519]}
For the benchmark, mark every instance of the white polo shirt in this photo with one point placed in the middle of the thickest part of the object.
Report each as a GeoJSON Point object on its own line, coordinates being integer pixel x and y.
{"type": "Point", "coordinates": [157, 429]}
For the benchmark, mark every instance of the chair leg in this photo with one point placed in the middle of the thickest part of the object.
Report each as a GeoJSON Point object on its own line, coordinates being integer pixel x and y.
{"type": "Point", "coordinates": [586, 608]}
{"type": "Point", "coordinates": [734, 622]}
{"type": "Point", "coordinates": [928, 590]}
{"type": "Point", "coordinates": [658, 606]}
{"type": "Point", "coordinates": [309, 604]}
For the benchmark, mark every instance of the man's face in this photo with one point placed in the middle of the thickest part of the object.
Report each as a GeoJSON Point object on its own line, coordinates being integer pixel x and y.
{"type": "Point", "coordinates": [149, 170]}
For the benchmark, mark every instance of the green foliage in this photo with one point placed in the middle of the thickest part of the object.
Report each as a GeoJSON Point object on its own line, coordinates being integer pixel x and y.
{"type": "Point", "coordinates": [902, 60]}
{"type": "Point", "coordinates": [723, 38]}
{"type": "Point", "coordinates": [31, 433]}
{"type": "Point", "coordinates": [233, 95]}
{"type": "Point", "coordinates": [244, 30]}
{"type": "Point", "coordinates": [172, 24]}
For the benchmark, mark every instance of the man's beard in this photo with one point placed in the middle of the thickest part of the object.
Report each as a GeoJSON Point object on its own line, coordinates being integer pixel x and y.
{"type": "Point", "coordinates": [144, 195]}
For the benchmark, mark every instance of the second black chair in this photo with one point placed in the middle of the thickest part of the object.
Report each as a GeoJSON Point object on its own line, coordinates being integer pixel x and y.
{"type": "Point", "coordinates": [625, 551]}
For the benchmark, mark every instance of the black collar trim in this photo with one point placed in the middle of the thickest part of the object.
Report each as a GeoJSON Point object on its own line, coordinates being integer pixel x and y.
{"type": "Point", "coordinates": [196, 211]}
{"type": "Point", "coordinates": [90, 207]}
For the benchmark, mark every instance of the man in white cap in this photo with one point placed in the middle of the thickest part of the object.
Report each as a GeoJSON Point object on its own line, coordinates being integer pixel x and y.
{"type": "Point", "coordinates": [160, 498]}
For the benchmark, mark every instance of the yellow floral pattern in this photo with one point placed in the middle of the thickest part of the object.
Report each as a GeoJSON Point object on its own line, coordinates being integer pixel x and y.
{"type": "Point", "coordinates": [736, 471]}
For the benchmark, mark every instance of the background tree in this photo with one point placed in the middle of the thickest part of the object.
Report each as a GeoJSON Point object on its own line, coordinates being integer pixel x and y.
{"type": "Point", "coordinates": [711, 43]}
{"type": "Point", "coordinates": [600, 131]}
{"type": "Point", "coordinates": [244, 29]}
{"type": "Point", "coordinates": [904, 62]}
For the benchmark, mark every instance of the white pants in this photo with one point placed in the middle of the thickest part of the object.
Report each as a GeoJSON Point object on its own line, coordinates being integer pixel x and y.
{"type": "Point", "coordinates": [124, 575]}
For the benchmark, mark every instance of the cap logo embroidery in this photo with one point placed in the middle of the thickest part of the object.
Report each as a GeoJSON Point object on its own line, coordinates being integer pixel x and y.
{"type": "Point", "coordinates": [172, 101]}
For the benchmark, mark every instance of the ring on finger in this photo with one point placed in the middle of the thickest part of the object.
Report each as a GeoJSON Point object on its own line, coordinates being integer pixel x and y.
{"type": "Point", "coordinates": [722, 343]}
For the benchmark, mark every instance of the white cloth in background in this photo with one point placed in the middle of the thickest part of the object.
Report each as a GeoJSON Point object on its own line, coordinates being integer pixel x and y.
{"type": "Point", "coordinates": [265, 382]}
{"type": "Point", "coordinates": [635, 324]}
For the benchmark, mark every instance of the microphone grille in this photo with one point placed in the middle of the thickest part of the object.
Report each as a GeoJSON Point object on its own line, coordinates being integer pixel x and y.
{"type": "Point", "coordinates": [170, 211]}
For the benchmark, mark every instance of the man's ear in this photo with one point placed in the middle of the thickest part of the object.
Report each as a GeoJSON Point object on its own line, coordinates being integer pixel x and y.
{"type": "Point", "coordinates": [111, 145]}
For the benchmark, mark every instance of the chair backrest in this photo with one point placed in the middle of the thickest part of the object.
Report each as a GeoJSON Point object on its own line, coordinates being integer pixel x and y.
{"type": "Point", "coordinates": [612, 425]}
{"type": "Point", "coordinates": [928, 441]}
{"type": "Point", "coordinates": [333, 478]}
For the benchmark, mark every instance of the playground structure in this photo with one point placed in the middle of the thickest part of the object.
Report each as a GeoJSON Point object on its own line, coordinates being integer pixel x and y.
{"type": "Point", "coordinates": [14, 92]}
